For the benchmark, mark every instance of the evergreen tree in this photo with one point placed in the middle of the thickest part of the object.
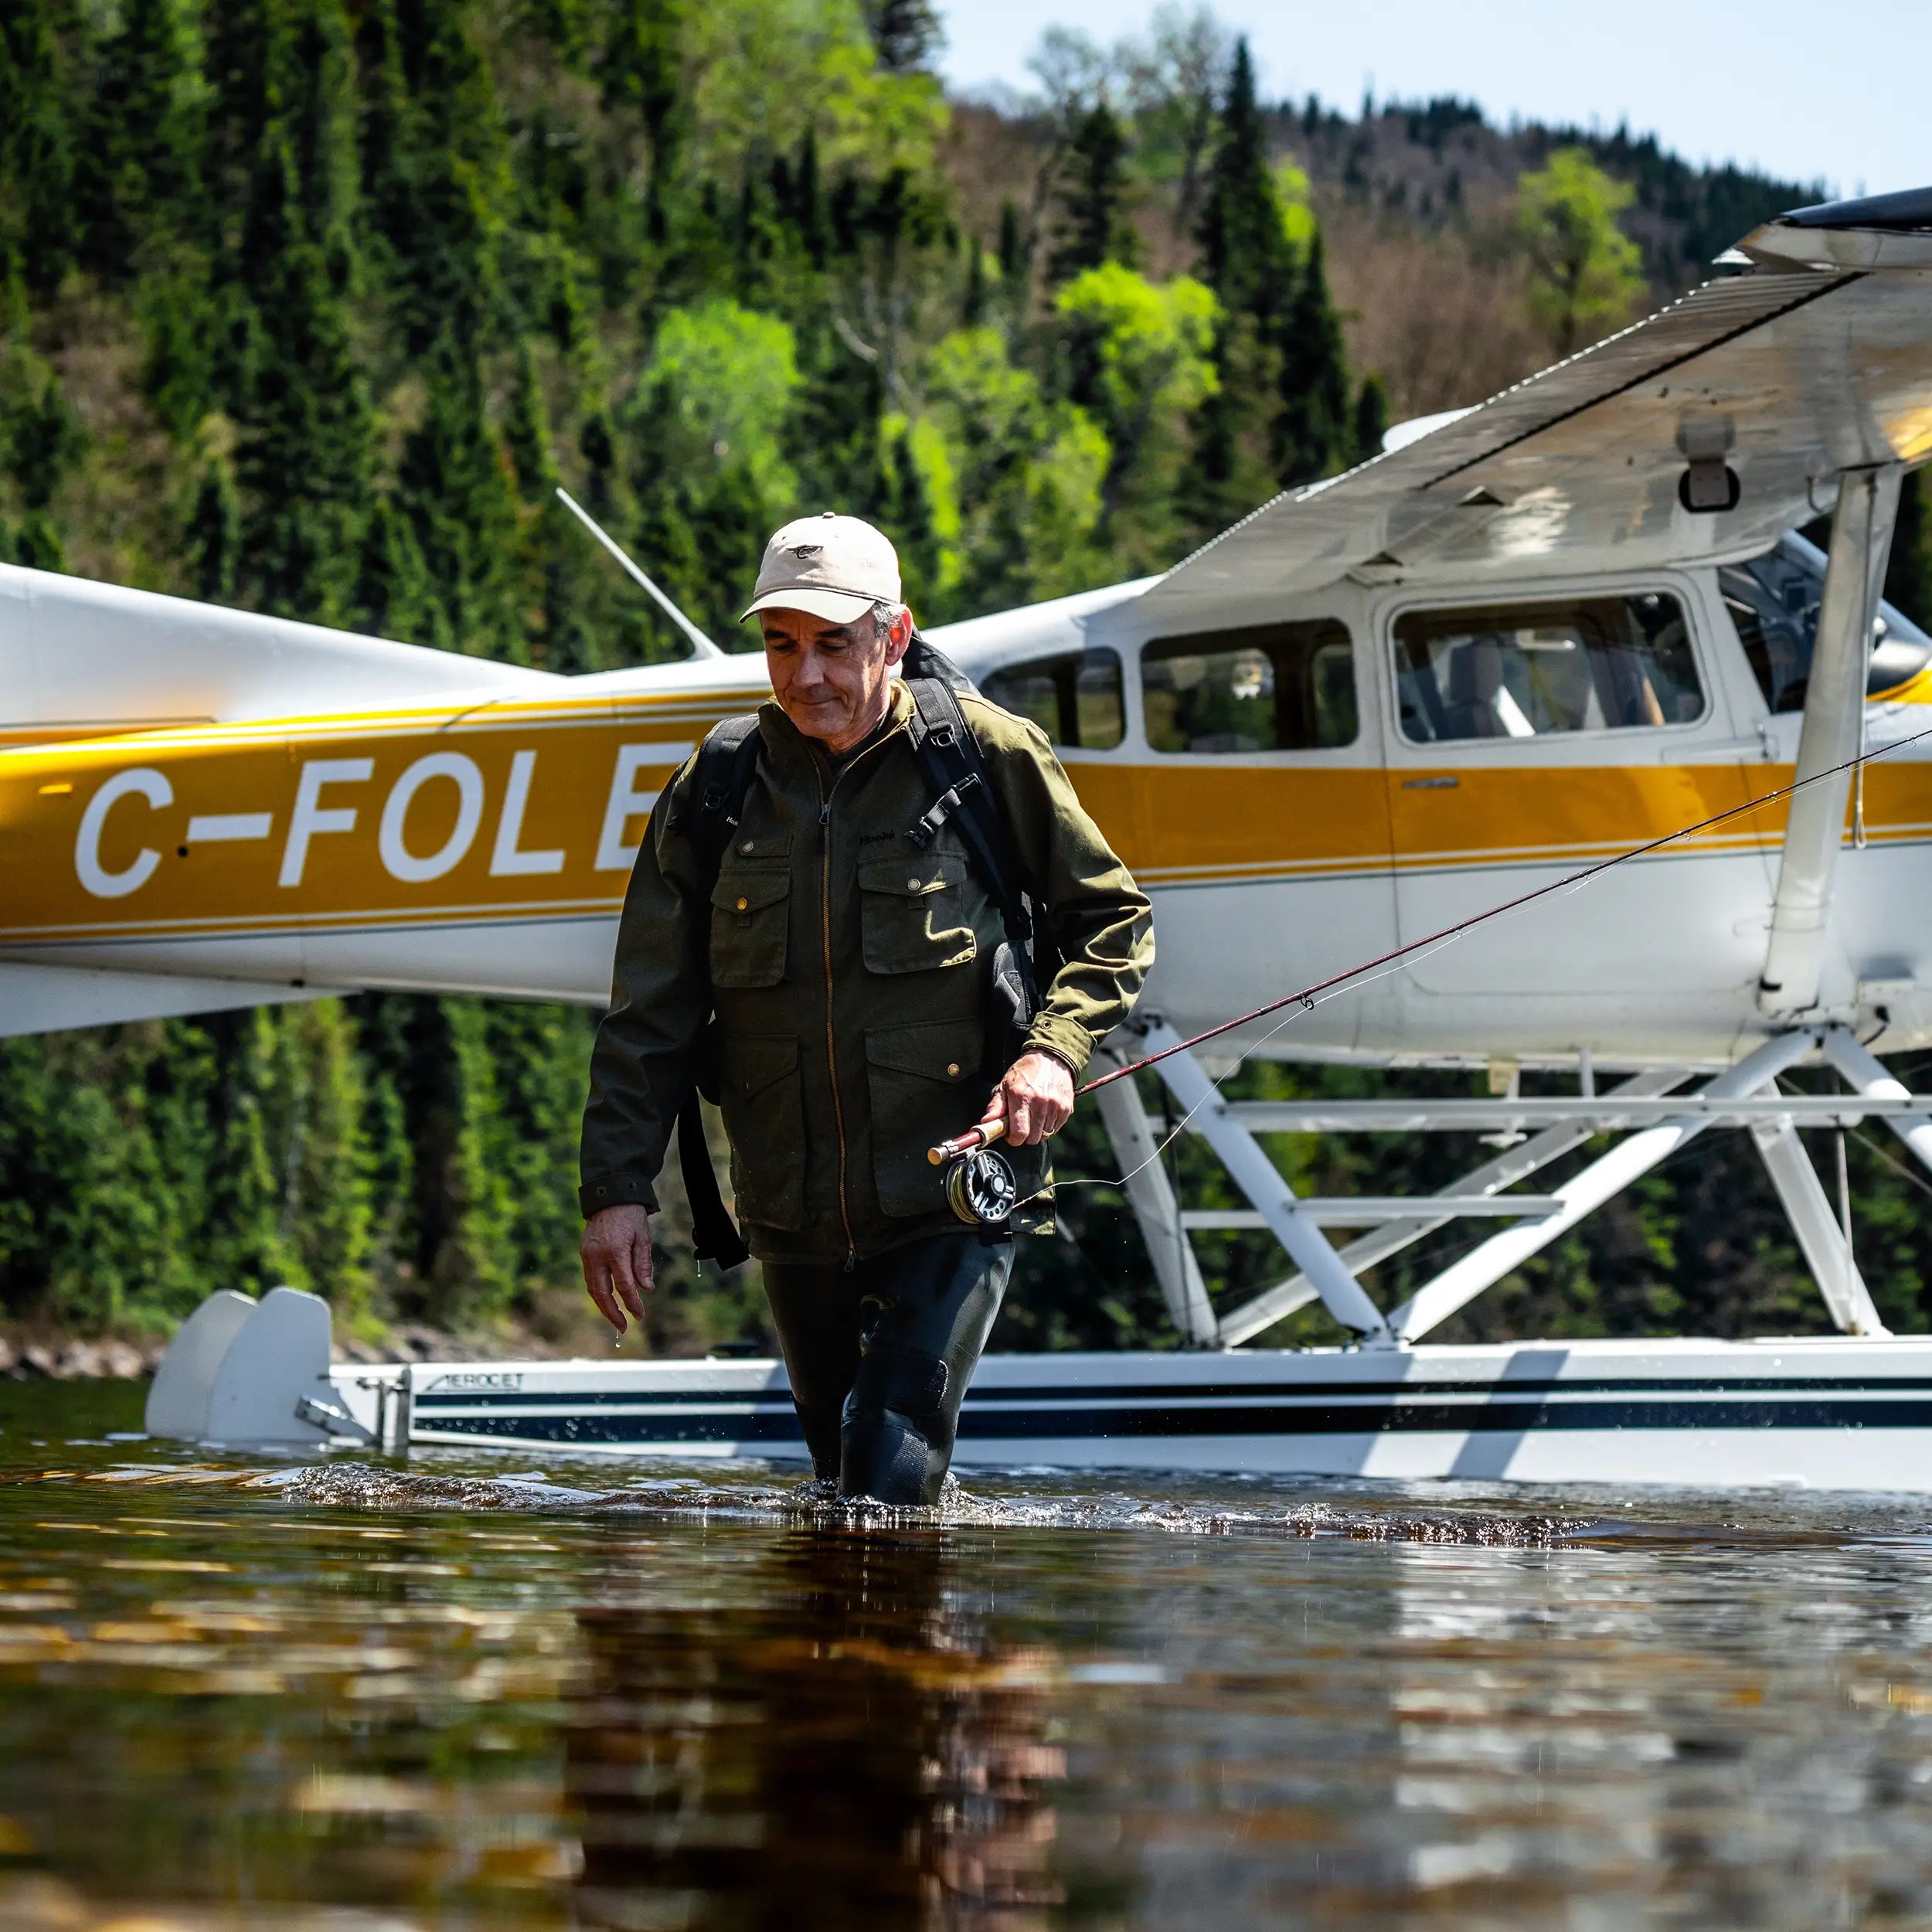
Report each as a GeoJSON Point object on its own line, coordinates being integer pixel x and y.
{"type": "Point", "coordinates": [1246, 256]}
{"type": "Point", "coordinates": [242, 40]}
{"type": "Point", "coordinates": [38, 544]}
{"type": "Point", "coordinates": [305, 456]}
{"type": "Point", "coordinates": [452, 488]}
{"type": "Point", "coordinates": [641, 70]}
{"type": "Point", "coordinates": [1010, 251]}
{"type": "Point", "coordinates": [189, 365]}
{"type": "Point", "coordinates": [466, 1245]}
{"type": "Point", "coordinates": [972, 307]}
{"type": "Point", "coordinates": [527, 432]}
{"type": "Point", "coordinates": [214, 535]}
{"type": "Point", "coordinates": [1246, 260]}
{"type": "Point", "coordinates": [325, 1223]}
{"type": "Point", "coordinates": [141, 160]}
{"type": "Point", "coordinates": [905, 512]}
{"type": "Point", "coordinates": [44, 441]}
{"type": "Point", "coordinates": [241, 1233]}
{"type": "Point", "coordinates": [437, 169]}
{"type": "Point", "coordinates": [1094, 224]}
{"type": "Point", "coordinates": [1371, 422]}
{"type": "Point", "coordinates": [43, 44]}
{"type": "Point", "coordinates": [1312, 430]}
{"type": "Point", "coordinates": [394, 597]}
{"type": "Point", "coordinates": [1280, 413]}
{"type": "Point", "coordinates": [806, 207]}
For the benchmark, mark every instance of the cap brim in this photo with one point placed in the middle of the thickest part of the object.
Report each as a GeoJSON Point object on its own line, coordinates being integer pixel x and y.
{"type": "Point", "coordinates": [836, 606]}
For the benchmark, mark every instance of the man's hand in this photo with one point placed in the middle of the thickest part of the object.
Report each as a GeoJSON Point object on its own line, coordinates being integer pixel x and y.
{"type": "Point", "coordinates": [1035, 1100]}
{"type": "Point", "coordinates": [616, 1254]}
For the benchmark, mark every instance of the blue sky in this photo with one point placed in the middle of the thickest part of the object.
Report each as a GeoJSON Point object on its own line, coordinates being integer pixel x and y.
{"type": "Point", "coordinates": [1804, 93]}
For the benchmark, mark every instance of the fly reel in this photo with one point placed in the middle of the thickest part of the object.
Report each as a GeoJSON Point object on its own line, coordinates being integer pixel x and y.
{"type": "Point", "coordinates": [982, 1187]}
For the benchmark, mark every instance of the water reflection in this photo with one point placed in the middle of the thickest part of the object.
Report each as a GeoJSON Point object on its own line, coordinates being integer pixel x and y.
{"type": "Point", "coordinates": [461, 1694]}
{"type": "Point", "coordinates": [855, 1750]}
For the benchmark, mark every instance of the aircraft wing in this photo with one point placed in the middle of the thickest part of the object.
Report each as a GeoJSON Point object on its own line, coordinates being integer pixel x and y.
{"type": "Point", "coordinates": [1817, 359]}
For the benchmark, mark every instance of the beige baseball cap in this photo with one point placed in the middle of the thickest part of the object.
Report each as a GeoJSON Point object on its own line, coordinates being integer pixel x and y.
{"type": "Point", "coordinates": [836, 567]}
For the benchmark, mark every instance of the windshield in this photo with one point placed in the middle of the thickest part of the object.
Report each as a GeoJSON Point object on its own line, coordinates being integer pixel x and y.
{"type": "Point", "coordinates": [1773, 601]}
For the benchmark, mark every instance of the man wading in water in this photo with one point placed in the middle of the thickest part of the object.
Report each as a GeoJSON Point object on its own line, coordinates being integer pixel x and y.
{"type": "Point", "coordinates": [798, 931]}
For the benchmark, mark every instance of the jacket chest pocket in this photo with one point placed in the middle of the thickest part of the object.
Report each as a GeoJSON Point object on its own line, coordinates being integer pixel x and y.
{"type": "Point", "coordinates": [750, 914]}
{"type": "Point", "coordinates": [913, 914]}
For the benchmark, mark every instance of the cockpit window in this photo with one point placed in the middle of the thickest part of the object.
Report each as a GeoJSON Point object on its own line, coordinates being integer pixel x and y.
{"type": "Point", "coordinates": [1773, 601]}
{"type": "Point", "coordinates": [1075, 698]}
{"type": "Point", "coordinates": [1532, 670]}
{"type": "Point", "coordinates": [1276, 687]}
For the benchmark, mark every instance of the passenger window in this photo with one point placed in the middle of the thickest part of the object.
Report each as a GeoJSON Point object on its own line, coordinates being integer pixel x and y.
{"type": "Point", "coordinates": [1279, 687]}
{"type": "Point", "coordinates": [1534, 670]}
{"type": "Point", "coordinates": [1074, 699]}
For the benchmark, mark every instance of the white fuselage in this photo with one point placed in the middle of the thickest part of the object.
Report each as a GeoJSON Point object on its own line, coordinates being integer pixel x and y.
{"type": "Point", "coordinates": [479, 841]}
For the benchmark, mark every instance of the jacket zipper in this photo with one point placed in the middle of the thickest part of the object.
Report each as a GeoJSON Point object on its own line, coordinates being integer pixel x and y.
{"type": "Point", "coordinates": [824, 935]}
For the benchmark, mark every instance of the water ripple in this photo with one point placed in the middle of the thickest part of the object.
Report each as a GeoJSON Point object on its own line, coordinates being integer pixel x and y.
{"type": "Point", "coordinates": [358, 1485]}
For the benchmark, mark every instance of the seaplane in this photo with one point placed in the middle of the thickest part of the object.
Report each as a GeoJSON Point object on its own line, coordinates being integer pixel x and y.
{"type": "Point", "coordinates": [1527, 638]}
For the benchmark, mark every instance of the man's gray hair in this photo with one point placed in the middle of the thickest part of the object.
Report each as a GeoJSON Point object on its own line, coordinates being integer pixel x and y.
{"type": "Point", "coordinates": [885, 614]}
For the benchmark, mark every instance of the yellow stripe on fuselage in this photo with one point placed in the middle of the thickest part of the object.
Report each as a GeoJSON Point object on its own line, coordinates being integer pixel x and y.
{"type": "Point", "coordinates": [526, 809]}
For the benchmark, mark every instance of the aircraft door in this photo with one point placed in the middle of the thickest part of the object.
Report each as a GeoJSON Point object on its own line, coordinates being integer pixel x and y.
{"type": "Point", "coordinates": [1254, 758]}
{"type": "Point", "coordinates": [1536, 735]}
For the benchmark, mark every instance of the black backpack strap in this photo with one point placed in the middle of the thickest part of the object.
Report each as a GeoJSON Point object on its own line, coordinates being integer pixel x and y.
{"type": "Point", "coordinates": [715, 803]}
{"type": "Point", "coordinates": [714, 1235]}
{"type": "Point", "coordinates": [720, 782]}
{"type": "Point", "coordinates": [925, 660]}
{"type": "Point", "coordinates": [954, 767]}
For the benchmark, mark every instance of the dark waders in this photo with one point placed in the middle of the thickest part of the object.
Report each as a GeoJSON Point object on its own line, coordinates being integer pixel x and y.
{"type": "Point", "coordinates": [880, 1357]}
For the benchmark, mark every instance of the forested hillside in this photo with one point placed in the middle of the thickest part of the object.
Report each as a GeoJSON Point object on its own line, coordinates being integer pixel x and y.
{"type": "Point", "coordinates": [307, 305]}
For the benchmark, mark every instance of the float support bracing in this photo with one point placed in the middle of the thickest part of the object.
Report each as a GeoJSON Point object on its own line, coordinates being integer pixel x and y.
{"type": "Point", "coordinates": [1585, 1192]}
{"type": "Point", "coordinates": [1817, 1228]}
{"type": "Point", "coordinates": [1832, 734]}
{"type": "Point", "coordinates": [1864, 1070]}
{"type": "Point", "coordinates": [1260, 1179]}
{"type": "Point", "coordinates": [1137, 1148]}
{"type": "Point", "coordinates": [1516, 1164]}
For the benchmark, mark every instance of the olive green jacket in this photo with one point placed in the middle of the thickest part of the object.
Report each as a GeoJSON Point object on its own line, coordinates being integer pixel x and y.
{"type": "Point", "coordinates": [851, 975]}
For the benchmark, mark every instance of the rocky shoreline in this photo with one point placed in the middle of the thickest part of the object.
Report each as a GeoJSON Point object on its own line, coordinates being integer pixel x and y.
{"type": "Point", "coordinates": [72, 1358]}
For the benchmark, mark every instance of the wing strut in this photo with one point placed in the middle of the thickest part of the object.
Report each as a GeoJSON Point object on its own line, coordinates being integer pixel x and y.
{"type": "Point", "coordinates": [701, 645]}
{"type": "Point", "coordinates": [1833, 734]}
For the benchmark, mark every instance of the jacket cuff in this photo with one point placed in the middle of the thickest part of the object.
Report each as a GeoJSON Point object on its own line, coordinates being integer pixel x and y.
{"type": "Point", "coordinates": [616, 1190]}
{"type": "Point", "coordinates": [1067, 1040]}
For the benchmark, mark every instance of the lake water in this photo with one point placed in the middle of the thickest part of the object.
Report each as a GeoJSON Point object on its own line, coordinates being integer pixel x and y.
{"type": "Point", "coordinates": [363, 1696]}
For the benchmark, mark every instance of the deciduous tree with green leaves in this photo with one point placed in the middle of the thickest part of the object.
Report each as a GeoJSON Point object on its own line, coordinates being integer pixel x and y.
{"type": "Point", "coordinates": [1585, 272]}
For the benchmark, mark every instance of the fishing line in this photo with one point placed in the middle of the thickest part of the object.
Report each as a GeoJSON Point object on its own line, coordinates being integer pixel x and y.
{"type": "Point", "coordinates": [1897, 1167]}
{"type": "Point", "coordinates": [1306, 997]}
{"type": "Point", "coordinates": [1246, 1053]}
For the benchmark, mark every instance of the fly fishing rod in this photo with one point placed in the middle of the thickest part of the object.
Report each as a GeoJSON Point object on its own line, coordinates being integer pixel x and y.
{"type": "Point", "coordinates": [977, 1175]}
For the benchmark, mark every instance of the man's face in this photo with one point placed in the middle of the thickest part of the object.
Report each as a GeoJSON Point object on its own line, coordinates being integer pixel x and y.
{"type": "Point", "coordinates": [831, 679]}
